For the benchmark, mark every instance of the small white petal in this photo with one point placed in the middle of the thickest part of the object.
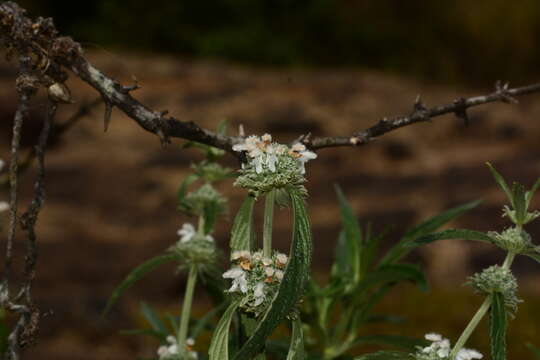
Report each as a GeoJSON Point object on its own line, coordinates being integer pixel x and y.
{"type": "Point", "coordinates": [173, 349]}
{"type": "Point", "coordinates": [282, 258]}
{"type": "Point", "coordinates": [269, 271]}
{"type": "Point", "coordinates": [266, 138]}
{"type": "Point", "coordinates": [267, 261]}
{"type": "Point", "coordinates": [162, 351]}
{"type": "Point", "coordinates": [259, 290]}
{"type": "Point", "coordinates": [171, 339]}
{"type": "Point", "coordinates": [233, 273]}
{"type": "Point", "coordinates": [279, 275]}
{"type": "Point", "coordinates": [433, 337]}
{"type": "Point", "coordinates": [190, 342]}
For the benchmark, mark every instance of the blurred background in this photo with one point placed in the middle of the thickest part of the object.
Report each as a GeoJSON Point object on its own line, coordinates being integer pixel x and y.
{"type": "Point", "coordinates": [287, 68]}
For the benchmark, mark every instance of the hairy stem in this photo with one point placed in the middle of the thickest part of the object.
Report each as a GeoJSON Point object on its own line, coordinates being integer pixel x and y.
{"type": "Point", "coordinates": [268, 223]}
{"type": "Point", "coordinates": [479, 314]}
{"type": "Point", "coordinates": [186, 308]}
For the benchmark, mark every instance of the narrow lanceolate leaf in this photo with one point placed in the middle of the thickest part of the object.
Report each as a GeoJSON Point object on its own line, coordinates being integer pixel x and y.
{"type": "Point", "coordinates": [535, 351]}
{"type": "Point", "coordinates": [243, 226]}
{"type": "Point", "coordinates": [449, 234]}
{"type": "Point", "coordinates": [500, 180]}
{"type": "Point", "coordinates": [432, 224]}
{"type": "Point", "coordinates": [292, 285]}
{"type": "Point", "coordinates": [135, 275]}
{"type": "Point", "coordinates": [219, 346]}
{"type": "Point", "coordinates": [534, 256]}
{"type": "Point", "coordinates": [393, 273]}
{"type": "Point", "coordinates": [385, 355]}
{"type": "Point", "coordinates": [497, 327]}
{"type": "Point", "coordinates": [529, 194]}
{"type": "Point", "coordinates": [296, 349]}
{"type": "Point", "coordinates": [153, 318]}
{"type": "Point", "coordinates": [353, 236]}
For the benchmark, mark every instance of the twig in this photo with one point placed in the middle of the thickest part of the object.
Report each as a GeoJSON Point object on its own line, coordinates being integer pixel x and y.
{"type": "Point", "coordinates": [64, 51]}
{"type": "Point", "coordinates": [422, 114]}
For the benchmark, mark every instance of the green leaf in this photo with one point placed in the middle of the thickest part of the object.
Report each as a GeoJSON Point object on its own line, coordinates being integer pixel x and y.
{"type": "Point", "coordinates": [135, 275]}
{"type": "Point", "coordinates": [242, 230]}
{"type": "Point", "coordinates": [291, 287]}
{"type": "Point", "coordinates": [393, 273]}
{"type": "Point", "coordinates": [535, 350]}
{"type": "Point", "coordinates": [385, 355]}
{"type": "Point", "coordinates": [219, 346]}
{"type": "Point", "coordinates": [353, 238]}
{"type": "Point", "coordinates": [211, 212]}
{"type": "Point", "coordinates": [520, 203]}
{"type": "Point", "coordinates": [432, 224]}
{"type": "Point", "coordinates": [153, 318]}
{"type": "Point", "coordinates": [202, 323]}
{"type": "Point", "coordinates": [500, 180]}
{"type": "Point", "coordinates": [534, 256]}
{"type": "Point", "coordinates": [529, 194]}
{"type": "Point", "coordinates": [182, 190]}
{"type": "Point", "coordinates": [497, 327]}
{"type": "Point", "coordinates": [448, 235]}
{"type": "Point", "coordinates": [402, 342]}
{"type": "Point", "coordinates": [296, 349]}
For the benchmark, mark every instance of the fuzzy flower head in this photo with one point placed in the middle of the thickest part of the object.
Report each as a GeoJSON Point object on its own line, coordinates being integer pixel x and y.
{"type": "Point", "coordinates": [255, 279]}
{"type": "Point", "coordinates": [440, 350]}
{"type": "Point", "coordinates": [171, 351]}
{"type": "Point", "coordinates": [194, 248]}
{"type": "Point", "coordinates": [497, 279]}
{"type": "Point", "coordinates": [271, 165]}
{"type": "Point", "coordinates": [514, 240]}
{"type": "Point", "coordinates": [205, 197]}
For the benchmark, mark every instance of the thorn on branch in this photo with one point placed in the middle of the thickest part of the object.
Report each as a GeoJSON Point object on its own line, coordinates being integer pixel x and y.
{"type": "Point", "coordinates": [419, 109]}
{"type": "Point", "coordinates": [107, 115]}
{"type": "Point", "coordinates": [127, 89]}
{"type": "Point", "coordinates": [461, 110]}
{"type": "Point", "coordinates": [503, 91]}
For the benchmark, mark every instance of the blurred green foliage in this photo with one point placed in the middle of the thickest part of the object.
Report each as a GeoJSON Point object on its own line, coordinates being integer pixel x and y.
{"type": "Point", "coordinates": [460, 40]}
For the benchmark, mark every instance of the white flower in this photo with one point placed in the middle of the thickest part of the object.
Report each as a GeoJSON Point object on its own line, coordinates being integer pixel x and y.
{"type": "Point", "coordinates": [282, 259]}
{"type": "Point", "coordinates": [4, 206]}
{"type": "Point", "coordinates": [186, 233]}
{"type": "Point", "coordinates": [242, 254]}
{"type": "Point", "coordinates": [239, 279]}
{"type": "Point", "coordinates": [279, 275]}
{"type": "Point", "coordinates": [258, 293]}
{"type": "Point", "coordinates": [269, 271]}
{"type": "Point", "coordinates": [257, 256]}
{"type": "Point", "coordinates": [303, 155]}
{"type": "Point", "coordinates": [267, 261]}
{"type": "Point", "coordinates": [468, 354]}
{"type": "Point", "coordinates": [433, 337]}
{"type": "Point", "coordinates": [190, 342]}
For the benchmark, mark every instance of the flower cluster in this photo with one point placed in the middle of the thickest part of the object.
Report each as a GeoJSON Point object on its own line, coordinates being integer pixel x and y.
{"type": "Point", "coordinates": [271, 165]}
{"type": "Point", "coordinates": [205, 197]}
{"type": "Point", "coordinates": [525, 218]}
{"type": "Point", "coordinates": [514, 240]}
{"type": "Point", "coordinates": [4, 206]}
{"type": "Point", "coordinates": [440, 350]}
{"type": "Point", "coordinates": [497, 279]}
{"type": "Point", "coordinates": [172, 350]}
{"type": "Point", "coordinates": [194, 248]}
{"type": "Point", "coordinates": [255, 279]}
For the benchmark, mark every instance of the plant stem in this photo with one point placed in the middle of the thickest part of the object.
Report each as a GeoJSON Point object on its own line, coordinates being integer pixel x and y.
{"type": "Point", "coordinates": [200, 226]}
{"type": "Point", "coordinates": [268, 222]}
{"type": "Point", "coordinates": [186, 307]}
{"type": "Point", "coordinates": [479, 314]}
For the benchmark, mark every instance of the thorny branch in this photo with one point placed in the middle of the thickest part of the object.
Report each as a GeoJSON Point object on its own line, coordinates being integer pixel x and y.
{"type": "Point", "coordinates": [56, 52]}
{"type": "Point", "coordinates": [43, 56]}
{"type": "Point", "coordinates": [56, 131]}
